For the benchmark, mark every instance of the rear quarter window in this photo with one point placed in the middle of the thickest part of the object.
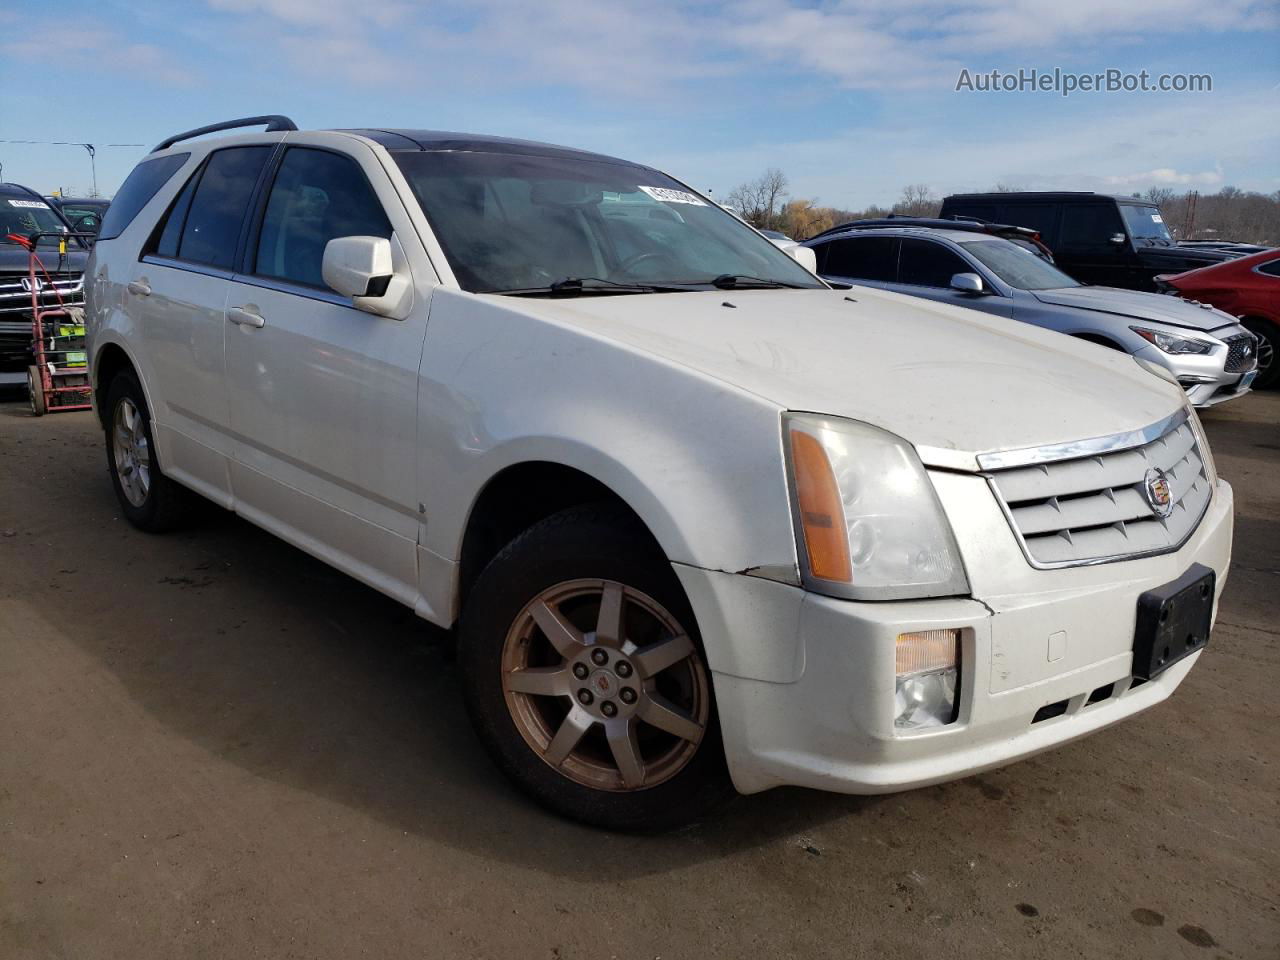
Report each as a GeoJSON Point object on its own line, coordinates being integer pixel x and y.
{"type": "Point", "coordinates": [139, 187]}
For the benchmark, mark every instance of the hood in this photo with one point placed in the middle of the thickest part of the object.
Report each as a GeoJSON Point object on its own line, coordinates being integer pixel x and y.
{"type": "Point", "coordinates": [1157, 307]}
{"type": "Point", "coordinates": [953, 382]}
{"type": "Point", "coordinates": [13, 259]}
{"type": "Point", "coordinates": [1183, 258]}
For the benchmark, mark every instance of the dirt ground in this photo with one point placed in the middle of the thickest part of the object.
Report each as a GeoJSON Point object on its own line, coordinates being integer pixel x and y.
{"type": "Point", "coordinates": [212, 745]}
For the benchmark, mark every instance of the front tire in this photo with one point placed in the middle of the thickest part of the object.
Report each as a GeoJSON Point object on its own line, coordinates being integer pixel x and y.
{"type": "Point", "coordinates": [585, 676]}
{"type": "Point", "coordinates": [150, 500]}
{"type": "Point", "coordinates": [1268, 344]}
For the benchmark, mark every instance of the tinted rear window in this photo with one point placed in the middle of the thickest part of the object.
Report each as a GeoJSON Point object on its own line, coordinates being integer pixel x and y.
{"type": "Point", "coordinates": [217, 211]}
{"type": "Point", "coordinates": [138, 188]}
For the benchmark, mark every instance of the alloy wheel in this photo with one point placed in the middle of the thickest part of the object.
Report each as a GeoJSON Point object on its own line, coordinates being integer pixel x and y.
{"type": "Point", "coordinates": [132, 452]}
{"type": "Point", "coordinates": [605, 685]}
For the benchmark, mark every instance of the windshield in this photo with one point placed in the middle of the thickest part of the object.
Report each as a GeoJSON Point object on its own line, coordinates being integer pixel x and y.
{"type": "Point", "coordinates": [515, 223]}
{"type": "Point", "coordinates": [1145, 223]}
{"type": "Point", "coordinates": [25, 216]}
{"type": "Point", "coordinates": [1017, 266]}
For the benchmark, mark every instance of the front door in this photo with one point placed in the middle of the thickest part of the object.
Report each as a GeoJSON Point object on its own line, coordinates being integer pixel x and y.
{"type": "Point", "coordinates": [322, 396]}
{"type": "Point", "coordinates": [925, 269]}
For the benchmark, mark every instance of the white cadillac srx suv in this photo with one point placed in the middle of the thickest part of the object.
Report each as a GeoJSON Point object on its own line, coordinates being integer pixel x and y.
{"type": "Point", "coordinates": [701, 521]}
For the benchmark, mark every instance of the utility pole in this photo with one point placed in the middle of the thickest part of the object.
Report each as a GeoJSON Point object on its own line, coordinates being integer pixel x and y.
{"type": "Point", "coordinates": [93, 165]}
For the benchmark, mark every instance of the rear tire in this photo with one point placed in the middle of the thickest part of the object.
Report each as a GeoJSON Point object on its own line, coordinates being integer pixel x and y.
{"type": "Point", "coordinates": [35, 392]}
{"type": "Point", "coordinates": [585, 677]}
{"type": "Point", "coordinates": [1268, 335]}
{"type": "Point", "coordinates": [150, 500]}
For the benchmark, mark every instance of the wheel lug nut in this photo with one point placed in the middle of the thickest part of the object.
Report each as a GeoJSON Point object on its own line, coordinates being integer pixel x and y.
{"type": "Point", "coordinates": [599, 656]}
{"type": "Point", "coordinates": [580, 671]}
{"type": "Point", "coordinates": [584, 697]}
{"type": "Point", "coordinates": [608, 709]}
{"type": "Point", "coordinates": [627, 695]}
{"type": "Point", "coordinates": [623, 669]}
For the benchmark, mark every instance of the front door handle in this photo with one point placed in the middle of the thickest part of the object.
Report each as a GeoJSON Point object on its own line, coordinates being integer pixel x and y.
{"type": "Point", "coordinates": [139, 288]}
{"type": "Point", "coordinates": [246, 317]}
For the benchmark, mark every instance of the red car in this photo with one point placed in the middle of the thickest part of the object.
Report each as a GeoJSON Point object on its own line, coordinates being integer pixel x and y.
{"type": "Point", "coordinates": [1248, 288]}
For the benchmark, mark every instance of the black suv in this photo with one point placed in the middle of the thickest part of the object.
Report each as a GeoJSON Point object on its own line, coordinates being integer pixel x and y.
{"type": "Point", "coordinates": [22, 213]}
{"type": "Point", "coordinates": [83, 213]}
{"type": "Point", "coordinates": [1096, 238]}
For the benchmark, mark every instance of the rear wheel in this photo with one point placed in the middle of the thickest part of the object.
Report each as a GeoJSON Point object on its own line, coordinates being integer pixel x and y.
{"type": "Point", "coordinates": [585, 677]}
{"type": "Point", "coordinates": [1268, 342]}
{"type": "Point", "coordinates": [35, 392]}
{"type": "Point", "coordinates": [149, 499]}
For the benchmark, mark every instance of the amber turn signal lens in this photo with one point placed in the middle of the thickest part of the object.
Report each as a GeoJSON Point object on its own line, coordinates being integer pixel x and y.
{"type": "Point", "coordinates": [826, 539]}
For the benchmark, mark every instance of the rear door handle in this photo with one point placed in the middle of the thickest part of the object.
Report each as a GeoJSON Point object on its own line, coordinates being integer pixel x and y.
{"type": "Point", "coordinates": [140, 288]}
{"type": "Point", "coordinates": [246, 318]}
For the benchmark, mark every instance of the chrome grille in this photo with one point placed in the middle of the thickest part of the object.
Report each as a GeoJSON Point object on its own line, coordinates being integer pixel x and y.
{"type": "Point", "coordinates": [1094, 508]}
{"type": "Point", "coordinates": [1241, 353]}
{"type": "Point", "coordinates": [15, 295]}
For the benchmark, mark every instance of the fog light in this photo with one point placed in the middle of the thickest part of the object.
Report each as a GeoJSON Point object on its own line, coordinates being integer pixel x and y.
{"type": "Point", "coordinates": [928, 672]}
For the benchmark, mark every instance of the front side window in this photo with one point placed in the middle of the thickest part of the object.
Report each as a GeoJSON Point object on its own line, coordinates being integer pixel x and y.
{"type": "Point", "coordinates": [1271, 269]}
{"type": "Point", "coordinates": [927, 263]}
{"type": "Point", "coordinates": [511, 223]}
{"type": "Point", "coordinates": [217, 210]}
{"type": "Point", "coordinates": [143, 183]}
{"type": "Point", "coordinates": [1088, 228]}
{"type": "Point", "coordinates": [1145, 223]}
{"type": "Point", "coordinates": [1017, 266]}
{"type": "Point", "coordinates": [317, 196]}
{"type": "Point", "coordinates": [863, 258]}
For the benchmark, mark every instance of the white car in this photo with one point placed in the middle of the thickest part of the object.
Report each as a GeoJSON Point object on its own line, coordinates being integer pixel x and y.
{"type": "Point", "coordinates": [700, 521]}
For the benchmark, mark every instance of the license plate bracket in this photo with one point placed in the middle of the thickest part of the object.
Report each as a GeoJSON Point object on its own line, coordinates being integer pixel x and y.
{"type": "Point", "coordinates": [1173, 621]}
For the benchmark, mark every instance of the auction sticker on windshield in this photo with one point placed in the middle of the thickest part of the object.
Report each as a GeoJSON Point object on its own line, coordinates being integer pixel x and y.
{"type": "Point", "coordinates": [29, 203]}
{"type": "Point", "coordinates": [668, 195]}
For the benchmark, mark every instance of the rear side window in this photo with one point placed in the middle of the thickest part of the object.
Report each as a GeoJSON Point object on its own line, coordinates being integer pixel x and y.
{"type": "Point", "coordinates": [928, 264]}
{"type": "Point", "coordinates": [171, 233]}
{"type": "Point", "coordinates": [217, 209]}
{"type": "Point", "coordinates": [1089, 227]}
{"type": "Point", "coordinates": [138, 188]}
{"type": "Point", "coordinates": [863, 258]}
{"type": "Point", "coordinates": [1271, 269]}
{"type": "Point", "coordinates": [317, 196]}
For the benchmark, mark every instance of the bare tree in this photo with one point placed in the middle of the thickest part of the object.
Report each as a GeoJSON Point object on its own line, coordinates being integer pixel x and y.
{"type": "Point", "coordinates": [760, 201]}
{"type": "Point", "coordinates": [1160, 195]}
{"type": "Point", "coordinates": [917, 201]}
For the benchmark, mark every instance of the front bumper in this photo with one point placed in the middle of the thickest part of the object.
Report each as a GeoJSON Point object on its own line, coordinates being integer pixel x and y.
{"type": "Point", "coordinates": [829, 725]}
{"type": "Point", "coordinates": [1204, 378]}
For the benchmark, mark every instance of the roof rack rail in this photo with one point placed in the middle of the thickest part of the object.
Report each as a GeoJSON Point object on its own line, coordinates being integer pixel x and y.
{"type": "Point", "coordinates": [274, 123]}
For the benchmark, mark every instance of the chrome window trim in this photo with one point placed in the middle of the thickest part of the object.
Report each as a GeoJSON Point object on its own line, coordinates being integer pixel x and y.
{"type": "Point", "coordinates": [1079, 449]}
{"type": "Point", "coordinates": [295, 289]}
{"type": "Point", "coordinates": [188, 266]}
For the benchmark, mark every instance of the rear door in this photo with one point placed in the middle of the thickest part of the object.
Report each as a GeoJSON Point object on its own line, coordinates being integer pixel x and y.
{"type": "Point", "coordinates": [177, 299]}
{"type": "Point", "coordinates": [323, 397]}
{"type": "Point", "coordinates": [925, 269]}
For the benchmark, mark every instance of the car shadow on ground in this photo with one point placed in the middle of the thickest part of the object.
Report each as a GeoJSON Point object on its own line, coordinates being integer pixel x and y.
{"type": "Point", "coordinates": [272, 661]}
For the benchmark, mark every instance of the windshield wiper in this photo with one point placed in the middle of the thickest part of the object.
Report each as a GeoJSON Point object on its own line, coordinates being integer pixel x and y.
{"type": "Point", "coordinates": [576, 286]}
{"type": "Point", "coordinates": [738, 281]}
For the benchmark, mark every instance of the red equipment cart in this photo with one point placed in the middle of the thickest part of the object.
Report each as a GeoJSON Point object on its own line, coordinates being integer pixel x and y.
{"type": "Point", "coordinates": [59, 379]}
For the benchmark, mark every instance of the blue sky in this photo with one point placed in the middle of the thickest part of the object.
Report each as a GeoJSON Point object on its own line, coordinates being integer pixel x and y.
{"type": "Point", "coordinates": [852, 100]}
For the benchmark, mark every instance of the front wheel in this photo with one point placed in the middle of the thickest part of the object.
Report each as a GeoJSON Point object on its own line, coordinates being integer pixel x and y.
{"type": "Point", "coordinates": [1268, 342]}
{"type": "Point", "coordinates": [585, 677]}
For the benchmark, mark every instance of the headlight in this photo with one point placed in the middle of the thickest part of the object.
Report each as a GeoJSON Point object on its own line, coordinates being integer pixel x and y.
{"type": "Point", "coordinates": [868, 521]}
{"type": "Point", "coordinates": [1171, 343]}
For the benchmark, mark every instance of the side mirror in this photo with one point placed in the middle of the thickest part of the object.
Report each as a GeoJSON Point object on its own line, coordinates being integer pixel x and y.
{"type": "Point", "coordinates": [805, 256]}
{"type": "Point", "coordinates": [1119, 239]}
{"type": "Point", "coordinates": [967, 283]}
{"type": "Point", "coordinates": [368, 270]}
